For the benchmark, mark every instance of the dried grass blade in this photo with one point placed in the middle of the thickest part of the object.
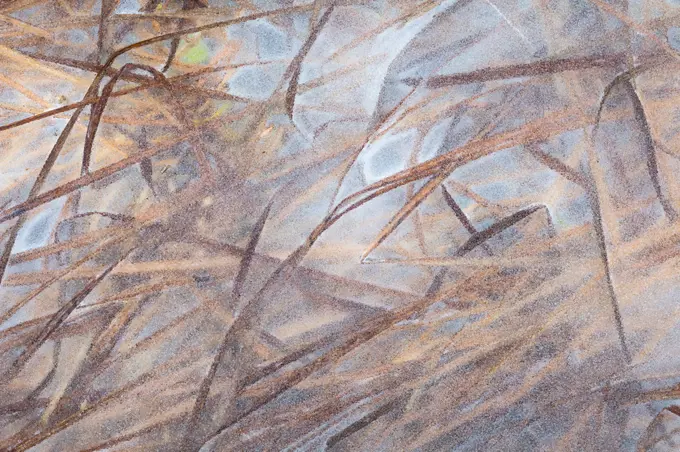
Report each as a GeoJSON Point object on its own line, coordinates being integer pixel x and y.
{"type": "Point", "coordinates": [35, 189]}
{"type": "Point", "coordinates": [146, 168]}
{"type": "Point", "coordinates": [557, 165]}
{"type": "Point", "coordinates": [249, 252]}
{"type": "Point", "coordinates": [296, 65]}
{"type": "Point", "coordinates": [536, 131]}
{"type": "Point", "coordinates": [77, 184]}
{"type": "Point", "coordinates": [95, 84]}
{"type": "Point", "coordinates": [204, 390]}
{"type": "Point", "coordinates": [150, 6]}
{"type": "Point", "coordinates": [479, 238]}
{"type": "Point", "coordinates": [675, 409]}
{"type": "Point", "coordinates": [108, 7]}
{"type": "Point", "coordinates": [390, 182]}
{"type": "Point", "coordinates": [458, 212]}
{"type": "Point", "coordinates": [622, 77]}
{"type": "Point", "coordinates": [406, 210]}
{"type": "Point", "coordinates": [174, 45]}
{"type": "Point", "coordinates": [24, 443]}
{"type": "Point", "coordinates": [21, 303]}
{"type": "Point", "coordinates": [543, 67]}
{"type": "Point", "coordinates": [650, 151]}
{"type": "Point", "coordinates": [109, 71]}
{"type": "Point", "coordinates": [94, 363]}
{"type": "Point", "coordinates": [464, 220]}
{"type": "Point", "coordinates": [364, 421]}
{"type": "Point", "coordinates": [364, 333]}
{"type": "Point", "coordinates": [179, 112]}
{"type": "Point", "coordinates": [598, 224]}
{"type": "Point", "coordinates": [335, 216]}
{"type": "Point", "coordinates": [647, 442]}
{"type": "Point", "coordinates": [187, 5]}
{"type": "Point", "coordinates": [57, 319]}
{"type": "Point", "coordinates": [97, 111]}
